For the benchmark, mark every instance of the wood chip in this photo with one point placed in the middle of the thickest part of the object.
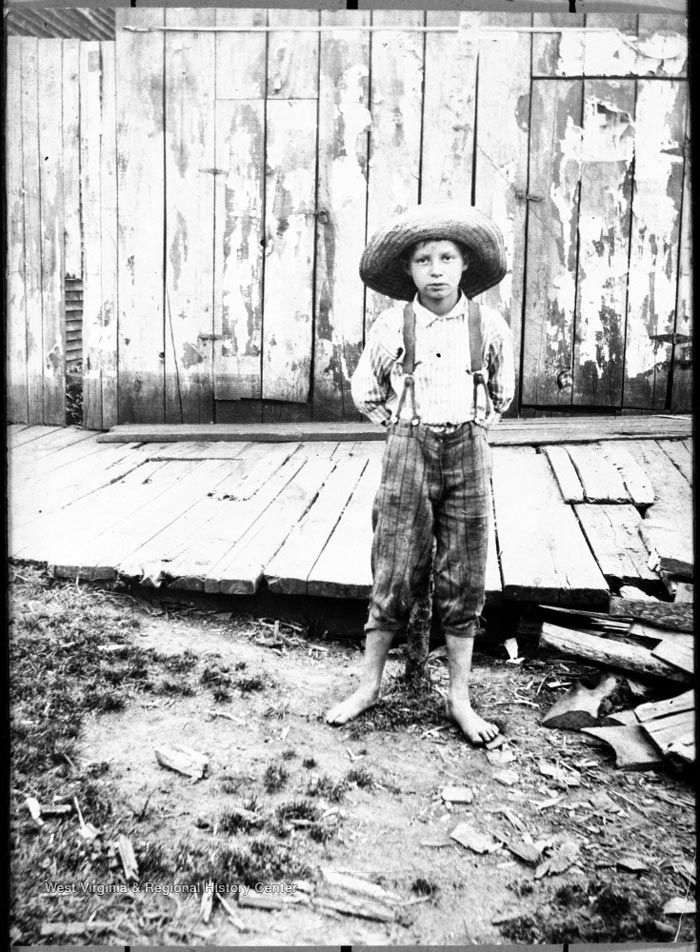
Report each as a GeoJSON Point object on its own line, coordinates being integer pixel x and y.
{"type": "Point", "coordinates": [559, 861]}
{"type": "Point", "coordinates": [498, 741]}
{"type": "Point", "coordinates": [232, 917]}
{"type": "Point", "coordinates": [632, 864]}
{"type": "Point", "coordinates": [562, 776]}
{"type": "Point", "coordinates": [127, 857]}
{"type": "Point", "coordinates": [507, 777]}
{"type": "Point", "coordinates": [499, 758]}
{"type": "Point", "coordinates": [478, 842]}
{"type": "Point", "coordinates": [32, 804]}
{"type": "Point", "coordinates": [457, 795]}
{"type": "Point", "coordinates": [183, 760]}
{"type": "Point", "coordinates": [679, 906]}
{"type": "Point", "coordinates": [207, 902]}
{"type": "Point", "coordinates": [633, 749]}
{"type": "Point", "coordinates": [580, 706]}
{"type": "Point", "coordinates": [528, 852]}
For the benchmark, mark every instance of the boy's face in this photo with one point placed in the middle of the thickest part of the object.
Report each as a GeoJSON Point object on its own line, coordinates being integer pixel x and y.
{"type": "Point", "coordinates": [436, 268]}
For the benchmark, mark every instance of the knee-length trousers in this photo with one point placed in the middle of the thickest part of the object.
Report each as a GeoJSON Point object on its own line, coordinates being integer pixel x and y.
{"type": "Point", "coordinates": [433, 486]}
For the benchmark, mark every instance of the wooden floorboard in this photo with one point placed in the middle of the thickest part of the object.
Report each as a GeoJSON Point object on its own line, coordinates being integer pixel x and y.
{"type": "Point", "coordinates": [235, 513]}
{"type": "Point", "coordinates": [287, 572]}
{"type": "Point", "coordinates": [601, 480]}
{"type": "Point", "coordinates": [667, 527]}
{"type": "Point", "coordinates": [343, 568]}
{"type": "Point", "coordinates": [225, 515]}
{"type": "Point", "coordinates": [506, 433]}
{"type": "Point", "coordinates": [613, 533]}
{"type": "Point", "coordinates": [544, 555]}
{"type": "Point", "coordinates": [240, 571]}
{"type": "Point", "coordinates": [680, 456]}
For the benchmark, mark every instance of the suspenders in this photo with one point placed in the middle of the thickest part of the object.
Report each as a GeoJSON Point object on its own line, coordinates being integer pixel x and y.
{"type": "Point", "coordinates": [477, 369]}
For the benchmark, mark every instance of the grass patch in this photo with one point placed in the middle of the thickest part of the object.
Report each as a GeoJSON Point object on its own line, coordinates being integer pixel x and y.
{"type": "Point", "coordinates": [250, 683]}
{"type": "Point", "coordinates": [324, 786]}
{"type": "Point", "coordinates": [275, 777]}
{"type": "Point", "coordinates": [592, 911]}
{"type": "Point", "coordinates": [405, 704]}
{"type": "Point", "coordinates": [361, 777]}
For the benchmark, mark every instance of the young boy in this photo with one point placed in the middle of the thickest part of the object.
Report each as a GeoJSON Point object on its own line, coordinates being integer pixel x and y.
{"type": "Point", "coordinates": [436, 373]}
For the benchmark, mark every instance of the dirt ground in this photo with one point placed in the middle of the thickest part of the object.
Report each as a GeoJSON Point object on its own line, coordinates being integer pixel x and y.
{"type": "Point", "coordinates": [576, 850]}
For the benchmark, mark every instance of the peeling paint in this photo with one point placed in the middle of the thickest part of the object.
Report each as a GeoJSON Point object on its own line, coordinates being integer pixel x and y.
{"type": "Point", "coordinates": [190, 356]}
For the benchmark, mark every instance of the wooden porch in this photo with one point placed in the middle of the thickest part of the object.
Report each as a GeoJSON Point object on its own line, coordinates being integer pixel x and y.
{"type": "Point", "coordinates": [581, 506]}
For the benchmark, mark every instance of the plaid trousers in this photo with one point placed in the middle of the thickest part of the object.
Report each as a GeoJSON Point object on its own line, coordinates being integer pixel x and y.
{"type": "Point", "coordinates": [433, 485]}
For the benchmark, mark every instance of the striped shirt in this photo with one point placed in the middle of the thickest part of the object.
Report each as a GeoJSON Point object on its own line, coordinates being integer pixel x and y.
{"type": "Point", "coordinates": [444, 388]}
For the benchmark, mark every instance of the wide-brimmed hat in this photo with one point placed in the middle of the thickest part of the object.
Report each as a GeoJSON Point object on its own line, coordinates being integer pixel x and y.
{"type": "Point", "coordinates": [382, 270]}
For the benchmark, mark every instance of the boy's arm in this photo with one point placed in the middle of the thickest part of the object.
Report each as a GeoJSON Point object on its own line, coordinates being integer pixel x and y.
{"type": "Point", "coordinates": [501, 383]}
{"type": "Point", "coordinates": [370, 385]}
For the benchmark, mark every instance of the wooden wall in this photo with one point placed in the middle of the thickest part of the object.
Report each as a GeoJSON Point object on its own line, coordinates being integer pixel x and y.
{"type": "Point", "coordinates": [228, 181]}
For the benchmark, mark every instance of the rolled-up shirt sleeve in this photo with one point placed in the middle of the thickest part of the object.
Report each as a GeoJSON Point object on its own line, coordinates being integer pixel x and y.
{"type": "Point", "coordinates": [370, 384]}
{"type": "Point", "coordinates": [501, 382]}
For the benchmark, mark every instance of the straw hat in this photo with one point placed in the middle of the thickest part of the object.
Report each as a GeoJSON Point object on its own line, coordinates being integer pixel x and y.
{"type": "Point", "coordinates": [382, 270]}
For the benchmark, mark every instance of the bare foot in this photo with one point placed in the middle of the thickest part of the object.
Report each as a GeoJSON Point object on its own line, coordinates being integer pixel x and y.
{"type": "Point", "coordinates": [358, 702]}
{"type": "Point", "coordinates": [475, 728]}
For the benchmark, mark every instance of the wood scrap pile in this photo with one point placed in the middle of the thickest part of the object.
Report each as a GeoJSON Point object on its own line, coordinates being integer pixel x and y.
{"type": "Point", "coordinates": [647, 640]}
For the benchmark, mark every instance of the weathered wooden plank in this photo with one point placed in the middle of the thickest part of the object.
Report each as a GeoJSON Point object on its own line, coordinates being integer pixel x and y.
{"type": "Point", "coordinates": [653, 267]}
{"type": "Point", "coordinates": [502, 159]}
{"type": "Point", "coordinates": [292, 62]}
{"type": "Point", "coordinates": [27, 434]}
{"type": "Point", "coordinates": [202, 450]}
{"type": "Point", "coordinates": [47, 452]}
{"type": "Point", "coordinates": [663, 731]}
{"type": "Point", "coordinates": [238, 250]}
{"type": "Point", "coordinates": [607, 652]}
{"type": "Point", "coordinates": [92, 553]}
{"type": "Point", "coordinates": [343, 569]}
{"type": "Point", "coordinates": [667, 527]}
{"type": "Point", "coordinates": [555, 169]}
{"type": "Point", "coordinates": [633, 749]}
{"type": "Point", "coordinates": [653, 709]}
{"type": "Point", "coordinates": [634, 477]}
{"type": "Point", "coordinates": [234, 512]}
{"type": "Point", "coordinates": [614, 52]}
{"type": "Point", "coordinates": [140, 148]}
{"type": "Point", "coordinates": [679, 655]}
{"type": "Point", "coordinates": [32, 230]}
{"type": "Point", "coordinates": [558, 54]}
{"type": "Point", "coordinates": [240, 56]}
{"type": "Point", "coordinates": [96, 512]}
{"type": "Point", "coordinates": [603, 233]}
{"type": "Point", "coordinates": [613, 535]}
{"type": "Point", "coordinates": [565, 473]}
{"type": "Point", "coordinates": [15, 306]}
{"type": "Point", "coordinates": [662, 614]}
{"type": "Point", "coordinates": [289, 249]}
{"type": "Point", "coordinates": [288, 570]}
{"type": "Point", "coordinates": [90, 194]}
{"type": "Point", "coordinates": [449, 106]}
{"type": "Point", "coordinates": [600, 479]}
{"type": "Point", "coordinates": [189, 215]}
{"type": "Point", "coordinates": [342, 199]}
{"type": "Point", "coordinates": [507, 433]}
{"type": "Point", "coordinates": [150, 561]}
{"type": "Point", "coordinates": [52, 229]}
{"type": "Point", "coordinates": [662, 48]}
{"type": "Point", "coordinates": [109, 229]}
{"type": "Point", "coordinates": [72, 479]}
{"type": "Point", "coordinates": [396, 78]}
{"type": "Point", "coordinates": [238, 215]}
{"type": "Point", "coordinates": [680, 456]}
{"type": "Point", "coordinates": [544, 556]}
{"type": "Point", "coordinates": [682, 387]}
{"type": "Point", "coordinates": [241, 570]}
{"type": "Point", "coordinates": [71, 157]}
{"type": "Point", "coordinates": [98, 555]}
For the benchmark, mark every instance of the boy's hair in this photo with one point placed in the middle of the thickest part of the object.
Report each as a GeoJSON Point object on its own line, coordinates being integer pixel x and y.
{"type": "Point", "coordinates": [405, 256]}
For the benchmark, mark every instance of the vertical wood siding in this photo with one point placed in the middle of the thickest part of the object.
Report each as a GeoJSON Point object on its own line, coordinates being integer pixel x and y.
{"type": "Point", "coordinates": [223, 185]}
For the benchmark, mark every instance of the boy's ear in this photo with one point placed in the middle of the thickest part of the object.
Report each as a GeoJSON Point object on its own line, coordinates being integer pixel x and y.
{"type": "Point", "coordinates": [406, 265]}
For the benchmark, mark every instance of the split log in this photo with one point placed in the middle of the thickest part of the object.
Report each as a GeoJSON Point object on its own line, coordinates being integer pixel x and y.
{"type": "Point", "coordinates": [620, 719]}
{"type": "Point", "coordinates": [677, 617]}
{"type": "Point", "coordinates": [580, 706]}
{"type": "Point", "coordinates": [608, 653]}
{"type": "Point", "coordinates": [633, 749]}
